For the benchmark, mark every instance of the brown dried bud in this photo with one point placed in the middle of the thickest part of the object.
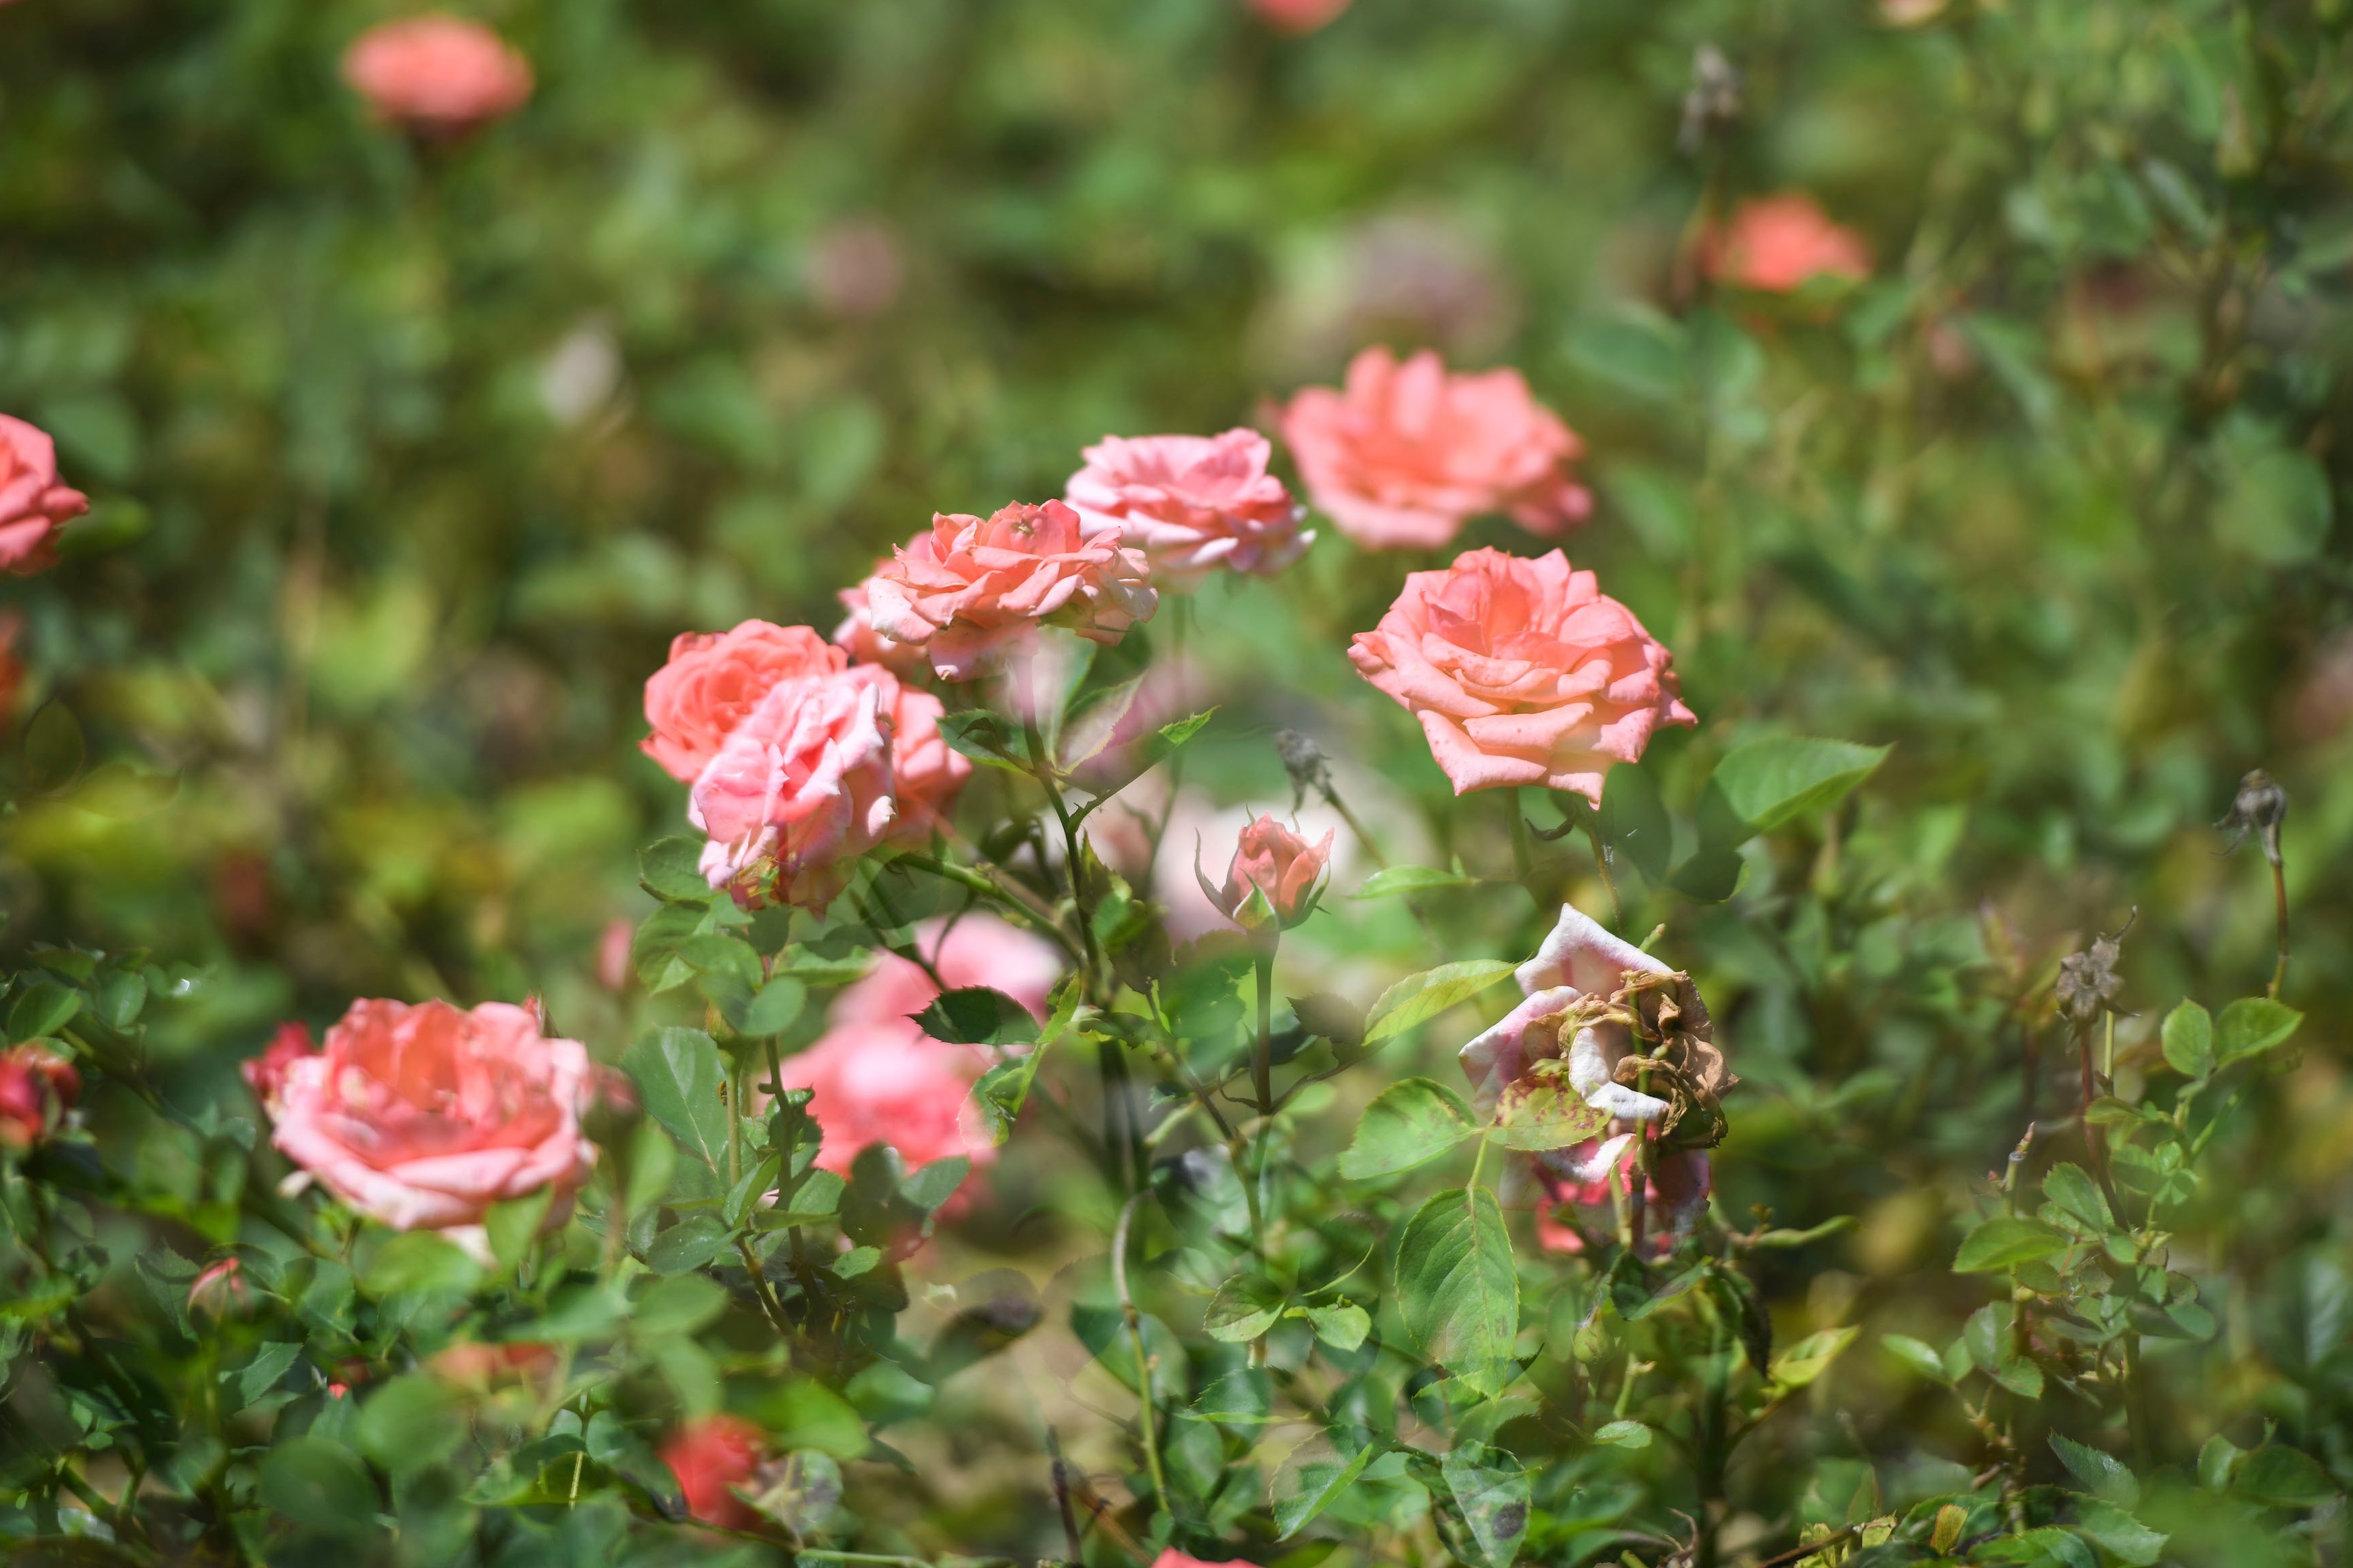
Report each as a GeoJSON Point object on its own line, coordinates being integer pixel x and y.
{"type": "Point", "coordinates": [2261, 804]}
{"type": "Point", "coordinates": [2088, 980]}
{"type": "Point", "coordinates": [1303, 759]}
{"type": "Point", "coordinates": [1713, 102]}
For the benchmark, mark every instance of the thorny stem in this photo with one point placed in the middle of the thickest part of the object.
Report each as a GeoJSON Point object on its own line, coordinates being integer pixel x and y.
{"type": "Point", "coordinates": [1147, 1413]}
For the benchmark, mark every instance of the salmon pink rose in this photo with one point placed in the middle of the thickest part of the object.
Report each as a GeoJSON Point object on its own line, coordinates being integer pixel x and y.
{"type": "Point", "coordinates": [972, 592]}
{"type": "Point", "coordinates": [1522, 672]}
{"type": "Point", "coordinates": [713, 682]}
{"type": "Point", "coordinates": [1191, 503]}
{"type": "Point", "coordinates": [437, 75]}
{"type": "Point", "coordinates": [926, 773]}
{"type": "Point", "coordinates": [36, 1088]}
{"type": "Point", "coordinates": [890, 1083]}
{"type": "Point", "coordinates": [1405, 454]}
{"type": "Point", "coordinates": [712, 1455]}
{"type": "Point", "coordinates": [266, 1073]}
{"type": "Point", "coordinates": [1777, 243]}
{"type": "Point", "coordinates": [1172, 1558]}
{"type": "Point", "coordinates": [1271, 859]}
{"type": "Point", "coordinates": [34, 505]}
{"type": "Point", "coordinates": [971, 950]}
{"type": "Point", "coordinates": [1293, 17]}
{"type": "Point", "coordinates": [424, 1116]}
{"type": "Point", "coordinates": [857, 636]}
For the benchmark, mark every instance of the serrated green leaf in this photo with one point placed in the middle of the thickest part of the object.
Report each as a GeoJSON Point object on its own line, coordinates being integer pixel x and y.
{"type": "Point", "coordinates": [977, 1015]}
{"type": "Point", "coordinates": [692, 1243]}
{"type": "Point", "coordinates": [679, 1077]}
{"type": "Point", "coordinates": [513, 1226]}
{"type": "Point", "coordinates": [1542, 1110]}
{"type": "Point", "coordinates": [1492, 1489]}
{"type": "Point", "coordinates": [1421, 997]}
{"type": "Point", "coordinates": [1342, 1325]}
{"type": "Point", "coordinates": [1457, 1290]}
{"type": "Point", "coordinates": [1245, 1307]}
{"type": "Point", "coordinates": [2103, 1474]}
{"type": "Point", "coordinates": [670, 869]}
{"type": "Point", "coordinates": [1801, 1363]}
{"type": "Point", "coordinates": [1316, 1472]}
{"type": "Point", "coordinates": [1407, 1123]}
{"type": "Point", "coordinates": [2068, 1186]}
{"type": "Point", "coordinates": [677, 1306]}
{"type": "Point", "coordinates": [1769, 783]}
{"type": "Point", "coordinates": [775, 1008]}
{"type": "Point", "coordinates": [2189, 1040]}
{"type": "Point", "coordinates": [2251, 1025]}
{"type": "Point", "coordinates": [2276, 1477]}
{"type": "Point", "coordinates": [2124, 1538]}
{"type": "Point", "coordinates": [1624, 1435]}
{"type": "Point", "coordinates": [2005, 1241]}
{"type": "Point", "coordinates": [42, 1009]}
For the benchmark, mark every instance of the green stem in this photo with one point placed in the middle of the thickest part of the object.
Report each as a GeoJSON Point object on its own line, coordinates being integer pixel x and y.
{"type": "Point", "coordinates": [1148, 1411]}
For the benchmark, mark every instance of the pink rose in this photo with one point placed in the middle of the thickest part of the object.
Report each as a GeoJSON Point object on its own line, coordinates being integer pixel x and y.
{"type": "Point", "coordinates": [34, 506]}
{"type": "Point", "coordinates": [266, 1074]}
{"type": "Point", "coordinates": [1271, 858]}
{"type": "Point", "coordinates": [712, 1455]}
{"type": "Point", "coordinates": [1191, 503]}
{"type": "Point", "coordinates": [889, 1083]}
{"type": "Point", "coordinates": [1584, 984]}
{"type": "Point", "coordinates": [424, 1116]}
{"type": "Point", "coordinates": [857, 636]}
{"type": "Point", "coordinates": [1774, 244]}
{"type": "Point", "coordinates": [1172, 1558]}
{"type": "Point", "coordinates": [1407, 453]}
{"type": "Point", "coordinates": [802, 784]}
{"type": "Point", "coordinates": [36, 1088]}
{"type": "Point", "coordinates": [926, 773]}
{"type": "Point", "coordinates": [1293, 17]}
{"type": "Point", "coordinates": [715, 679]}
{"type": "Point", "coordinates": [972, 593]}
{"type": "Point", "coordinates": [972, 950]}
{"type": "Point", "coordinates": [437, 74]}
{"type": "Point", "coordinates": [479, 1366]}
{"type": "Point", "coordinates": [1522, 672]}
{"type": "Point", "coordinates": [1589, 1180]}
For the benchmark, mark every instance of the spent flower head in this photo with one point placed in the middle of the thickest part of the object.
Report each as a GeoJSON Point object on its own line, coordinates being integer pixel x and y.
{"type": "Point", "coordinates": [2261, 806]}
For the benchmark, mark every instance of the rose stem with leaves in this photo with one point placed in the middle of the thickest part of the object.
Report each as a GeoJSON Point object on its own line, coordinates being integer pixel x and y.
{"type": "Point", "coordinates": [1147, 1413]}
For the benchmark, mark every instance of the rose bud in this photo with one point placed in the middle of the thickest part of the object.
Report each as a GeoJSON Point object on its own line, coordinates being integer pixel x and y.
{"type": "Point", "coordinates": [1274, 866]}
{"type": "Point", "coordinates": [220, 1291]}
{"type": "Point", "coordinates": [711, 1457]}
{"type": "Point", "coordinates": [37, 1085]}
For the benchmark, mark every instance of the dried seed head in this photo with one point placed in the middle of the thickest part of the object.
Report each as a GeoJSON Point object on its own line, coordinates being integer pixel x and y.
{"type": "Point", "coordinates": [2088, 980]}
{"type": "Point", "coordinates": [2261, 804]}
{"type": "Point", "coordinates": [1303, 759]}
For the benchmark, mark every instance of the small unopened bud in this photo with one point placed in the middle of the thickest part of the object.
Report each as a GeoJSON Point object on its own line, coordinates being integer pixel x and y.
{"type": "Point", "coordinates": [2259, 805]}
{"type": "Point", "coordinates": [1303, 759]}
{"type": "Point", "coordinates": [220, 1291]}
{"type": "Point", "coordinates": [1275, 877]}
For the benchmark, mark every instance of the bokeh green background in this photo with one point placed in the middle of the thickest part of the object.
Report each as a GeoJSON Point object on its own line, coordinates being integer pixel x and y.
{"type": "Point", "coordinates": [412, 458]}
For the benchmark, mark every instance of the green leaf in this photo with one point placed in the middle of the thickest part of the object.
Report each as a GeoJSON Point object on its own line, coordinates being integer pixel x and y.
{"type": "Point", "coordinates": [987, 738]}
{"type": "Point", "coordinates": [1771, 781]}
{"type": "Point", "coordinates": [1624, 1435]}
{"type": "Point", "coordinates": [1394, 881]}
{"type": "Point", "coordinates": [1004, 1088]}
{"type": "Point", "coordinates": [2104, 1476]}
{"type": "Point", "coordinates": [320, 1483]}
{"type": "Point", "coordinates": [2274, 1477]}
{"type": "Point", "coordinates": [1407, 1124]}
{"type": "Point", "coordinates": [1921, 1358]}
{"type": "Point", "coordinates": [1421, 997]}
{"type": "Point", "coordinates": [1243, 1397]}
{"type": "Point", "coordinates": [270, 1363]}
{"type": "Point", "coordinates": [690, 1243]}
{"type": "Point", "coordinates": [410, 1422]}
{"type": "Point", "coordinates": [420, 1260]}
{"type": "Point", "coordinates": [1542, 1110]}
{"type": "Point", "coordinates": [1492, 1489]}
{"type": "Point", "coordinates": [2190, 1040]}
{"type": "Point", "coordinates": [1245, 1307]}
{"type": "Point", "coordinates": [1803, 1363]}
{"type": "Point", "coordinates": [2047, 1547]}
{"type": "Point", "coordinates": [1634, 821]}
{"type": "Point", "coordinates": [678, 1306]}
{"type": "Point", "coordinates": [2125, 1539]}
{"type": "Point", "coordinates": [857, 1261]}
{"type": "Point", "coordinates": [1088, 733]}
{"type": "Point", "coordinates": [885, 1392]}
{"type": "Point", "coordinates": [44, 1008]}
{"type": "Point", "coordinates": [2066, 1185]}
{"type": "Point", "coordinates": [670, 869]}
{"type": "Point", "coordinates": [977, 1015]}
{"type": "Point", "coordinates": [2005, 1241]}
{"type": "Point", "coordinates": [1456, 1291]}
{"type": "Point", "coordinates": [679, 1078]}
{"type": "Point", "coordinates": [777, 1008]}
{"type": "Point", "coordinates": [805, 1413]}
{"type": "Point", "coordinates": [1342, 1325]}
{"type": "Point", "coordinates": [1314, 1473]}
{"type": "Point", "coordinates": [2250, 1026]}
{"type": "Point", "coordinates": [513, 1226]}
{"type": "Point", "coordinates": [652, 1165]}
{"type": "Point", "coordinates": [936, 1183]}
{"type": "Point", "coordinates": [121, 998]}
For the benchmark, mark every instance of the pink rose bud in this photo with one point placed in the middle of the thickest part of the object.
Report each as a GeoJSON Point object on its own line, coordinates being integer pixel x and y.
{"type": "Point", "coordinates": [423, 1117]}
{"type": "Point", "coordinates": [35, 506]}
{"type": "Point", "coordinates": [1271, 860]}
{"type": "Point", "coordinates": [437, 75]}
{"type": "Point", "coordinates": [1522, 672]}
{"type": "Point", "coordinates": [266, 1073]}
{"type": "Point", "coordinates": [1191, 503]}
{"type": "Point", "coordinates": [971, 592]}
{"type": "Point", "coordinates": [712, 1455]}
{"type": "Point", "coordinates": [1406, 454]}
{"type": "Point", "coordinates": [221, 1291]}
{"type": "Point", "coordinates": [1774, 244]}
{"type": "Point", "coordinates": [36, 1088]}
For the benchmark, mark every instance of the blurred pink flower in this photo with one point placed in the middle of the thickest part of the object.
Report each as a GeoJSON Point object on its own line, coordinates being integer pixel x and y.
{"type": "Point", "coordinates": [926, 773]}
{"type": "Point", "coordinates": [424, 1116]}
{"type": "Point", "coordinates": [36, 1088]}
{"type": "Point", "coordinates": [1405, 454]}
{"type": "Point", "coordinates": [266, 1074]}
{"type": "Point", "coordinates": [1271, 858]}
{"type": "Point", "coordinates": [1774, 244]}
{"type": "Point", "coordinates": [972, 592]}
{"type": "Point", "coordinates": [34, 504]}
{"type": "Point", "coordinates": [438, 74]}
{"type": "Point", "coordinates": [889, 1083]}
{"type": "Point", "coordinates": [613, 948]}
{"type": "Point", "coordinates": [711, 1455]}
{"type": "Point", "coordinates": [714, 680]}
{"type": "Point", "coordinates": [1294, 17]}
{"type": "Point", "coordinates": [972, 950]}
{"type": "Point", "coordinates": [1522, 672]}
{"type": "Point", "coordinates": [1588, 1179]}
{"type": "Point", "coordinates": [1191, 503]}
{"type": "Point", "coordinates": [478, 1366]}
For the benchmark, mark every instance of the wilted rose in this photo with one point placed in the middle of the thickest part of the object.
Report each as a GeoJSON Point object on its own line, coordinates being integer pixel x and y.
{"type": "Point", "coordinates": [1405, 454]}
{"type": "Point", "coordinates": [1522, 672]}
{"type": "Point", "coordinates": [1191, 503]}
{"type": "Point", "coordinates": [711, 1455]}
{"type": "Point", "coordinates": [34, 505]}
{"type": "Point", "coordinates": [36, 1088]}
{"type": "Point", "coordinates": [972, 592]}
{"type": "Point", "coordinates": [1776, 243]}
{"type": "Point", "coordinates": [424, 1116]}
{"type": "Point", "coordinates": [438, 74]}
{"type": "Point", "coordinates": [1588, 1179]}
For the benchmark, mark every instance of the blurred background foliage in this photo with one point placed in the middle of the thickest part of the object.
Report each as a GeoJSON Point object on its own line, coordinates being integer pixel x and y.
{"type": "Point", "coordinates": [412, 458]}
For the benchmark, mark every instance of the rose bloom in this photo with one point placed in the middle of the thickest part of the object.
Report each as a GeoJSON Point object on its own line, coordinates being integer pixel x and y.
{"type": "Point", "coordinates": [34, 506]}
{"type": "Point", "coordinates": [857, 636]}
{"type": "Point", "coordinates": [479, 1366]}
{"type": "Point", "coordinates": [1172, 1558]}
{"type": "Point", "coordinates": [266, 1073]}
{"type": "Point", "coordinates": [711, 1455]}
{"type": "Point", "coordinates": [1191, 503]}
{"type": "Point", "coordinates": [1522, 672]}
{"type": "Point", "coordinates": [713, 682]}
{"type": "Point", "coordinates": [1291, 16]}
{"type": "Point", "coordinates": [1588, 1178]}
{"type": "Point", "coordinates": [1272, 860]}
{"type": "Point", "coordinates": [971, 950]}
{"type": "Point", "coordinates": [36, 1086]}
{"type": "Point", "coordinates": [823, 770]}
{"type": "Point", "coordinates": [890, 1083]}
{"type": "Point", "coordinates": [424, 1116]}
{"type": "Point", "coordinates": [1407, 452]}
{"type": "Point", "coordinates": [1774, 244]}
{"type": "Point", "coordinates": [972, 591]}
{"type": "Point", "coordinates": [1580, 962]}
{"type": "Point", "coordinates": [437, 74]}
